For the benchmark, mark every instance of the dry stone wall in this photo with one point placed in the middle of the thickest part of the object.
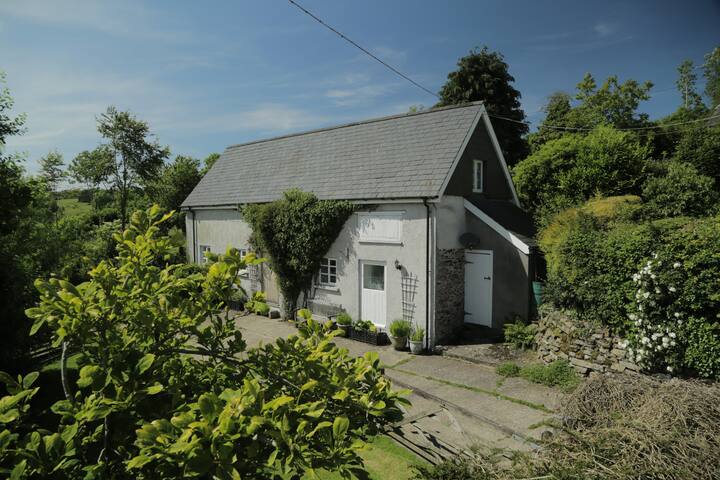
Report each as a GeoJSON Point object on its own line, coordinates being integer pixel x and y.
{"type": "Point", "coordinates": [449, 294]}
{"type": "Point", "coordinates": [589, 348]}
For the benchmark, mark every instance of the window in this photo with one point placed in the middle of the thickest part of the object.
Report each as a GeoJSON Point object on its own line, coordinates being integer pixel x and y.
{"type": "Point", "coordinates": [202, 249]}
{"type": "Point", "coordinates": [327, 276]}
{"type": "Point", "coordinates": [478, 172]}
{"type": "Point", "coordinates": [244, 273]}
{"type": "Point", "coordinates": [380, 227]}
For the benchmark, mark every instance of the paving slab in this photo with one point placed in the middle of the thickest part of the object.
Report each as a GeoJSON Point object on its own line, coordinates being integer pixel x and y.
{"type": "Point", "coordinates": [456, 404]}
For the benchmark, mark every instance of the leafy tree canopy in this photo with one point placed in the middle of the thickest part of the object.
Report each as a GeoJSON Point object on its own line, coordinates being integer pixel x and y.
{"type": "Point", "coordinates": [163, 391]}
{"type": "Point", "coordinates": [136, 157]}
{"type": "Point", "coordinates": [175, 182]}
{"type": "Point", "coordinates": [483, 75]}
{"type": "Point", "coordinates": [296, 232]}
{"type": "Point", "coordinates": [51, 169]}
{"type": "Point", "coordinates": [712, 77]}
{"type": "Point", "coordinates": [576, 167]}
{"type": "Point", "coordinates": [209, 162]}
{"type": "Point", "coordinates": [699, 145]}
{"type": "Point", "coordinates": [612, 103]}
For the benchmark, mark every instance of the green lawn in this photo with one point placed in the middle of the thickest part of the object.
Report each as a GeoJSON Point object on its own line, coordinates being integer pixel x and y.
{"type": "Point", "coordinates": [72, 207]}
{"type": "Point", "coordinates": [384, 459]}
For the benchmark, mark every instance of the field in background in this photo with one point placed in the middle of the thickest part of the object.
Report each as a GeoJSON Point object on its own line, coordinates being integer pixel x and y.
{"type": "Point", "coordinates": [71, 207]}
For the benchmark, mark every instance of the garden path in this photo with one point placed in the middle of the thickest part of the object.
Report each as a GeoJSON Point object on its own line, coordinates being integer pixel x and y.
{"type": "Point", "coordinates": [456, 405]}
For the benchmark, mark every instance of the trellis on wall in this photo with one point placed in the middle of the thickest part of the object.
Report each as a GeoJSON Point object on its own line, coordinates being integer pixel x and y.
{"type": "Point", "coordinates": [408, 287]}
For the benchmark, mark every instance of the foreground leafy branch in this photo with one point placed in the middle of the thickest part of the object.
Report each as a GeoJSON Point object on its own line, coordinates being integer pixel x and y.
{"type": "Point", "coordinates": [164, 392]}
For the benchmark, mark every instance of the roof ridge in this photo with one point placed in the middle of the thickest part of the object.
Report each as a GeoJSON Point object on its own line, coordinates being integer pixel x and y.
{"type": "Point", "coordinates": [361, 122]}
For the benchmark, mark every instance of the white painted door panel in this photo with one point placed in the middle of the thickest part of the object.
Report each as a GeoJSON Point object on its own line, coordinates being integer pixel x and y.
{"type": "Point", "coordinates": [373, 298]}
{"type": "Point", "coordinates": [478, 288]}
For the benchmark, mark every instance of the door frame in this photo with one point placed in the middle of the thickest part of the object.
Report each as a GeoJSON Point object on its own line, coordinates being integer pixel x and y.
{"type": "Point", "coordinates": [492, 280]}
{"type": "Point", "coordinates": [382, 263]}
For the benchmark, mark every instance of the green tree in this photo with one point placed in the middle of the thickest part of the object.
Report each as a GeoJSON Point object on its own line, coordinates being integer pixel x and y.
{"type": "Point", "coordinates": [711, 71]}
{"type": "Point", "coordinates": [699, 145]}
{"type": "Point", "coordinates": [209, 162]}
{"type": "Point", "coordinates": [557, 108]}
{"type": "Point", "coordinates": [680, 190]}
{"type": "Point", "coordinates": [166, 388]}
{"type": "Point", "coordinates": [576, 167]}
{"type": "Point", "coordinates": [51, 169]}
{"type": "Point", "coordinates": [92, 168]}
{"type": "Point", "coordinates": [174, 183]}
{"type": "Point", "coordinates": [136, 158]}
{"type": "Point", "coordinates": [686, 85]}
{"type": "Point", "coordinates": [296, 232]}
{"type": "Point", "coordinates": [483, 75]}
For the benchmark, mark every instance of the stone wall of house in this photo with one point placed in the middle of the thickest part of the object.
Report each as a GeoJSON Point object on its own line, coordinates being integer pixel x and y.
{"type": "Point", "coordinates": [589, 348]}
{"type": "Point", "coordinates": [449, 294]}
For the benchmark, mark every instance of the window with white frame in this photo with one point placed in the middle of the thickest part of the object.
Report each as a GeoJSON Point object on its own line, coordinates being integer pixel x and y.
{"type": "Point", "coordinates": [202, 249]}
{"type": "Point", "coordinates": [244, 273]}
{"type": "Point", "coordinates": [478, 175]}
{"type": "Point", "coordinates": [380, 227]}
{"type": "Point", "coordinates": [327, 276]}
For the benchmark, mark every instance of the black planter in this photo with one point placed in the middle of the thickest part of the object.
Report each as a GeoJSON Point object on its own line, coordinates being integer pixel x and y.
{"type": "Point", "coordinates": [366, 336]}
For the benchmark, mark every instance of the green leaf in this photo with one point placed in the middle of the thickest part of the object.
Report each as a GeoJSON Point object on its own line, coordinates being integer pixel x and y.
{"type": "Point", "coordinates": [277, 402]}
{"type": "Point", "coordinates": [309, 385]}
{"type": "Point", "coordinates": [155, 389]}
{"type": "Point", "coordinates": [8, 380]}
{"type": "Point", "coordinates": [30, 379]}
{"type": "Point", "coordinates": [145, 362]}
{"type": "Point", "coordinates": [88, 373]}
{"type": "Point", "coordinates": [206, 404]}
{"type": "Point", "coordinates": [39, 322]}
{"type": "Point", "coordinates": [340, 427]}
{"type": "Point", "coordinates": [18, 471]}
{"type": "Point", "coordinates": [139, 461]}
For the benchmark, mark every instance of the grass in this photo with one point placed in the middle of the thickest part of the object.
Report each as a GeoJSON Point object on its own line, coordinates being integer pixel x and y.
{"type": "Point", "coordinates": [384, 459]}
{"type": "Point", "coordinates": [556, 374]}
{"type": "Point", "coordinates": [72, 207]}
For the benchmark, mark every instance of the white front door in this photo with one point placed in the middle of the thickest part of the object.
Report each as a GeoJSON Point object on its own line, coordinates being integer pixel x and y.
{"type": "Point", "coordinates": [372, 293]}
{"type": "Point", "coordinates": [478, 287]}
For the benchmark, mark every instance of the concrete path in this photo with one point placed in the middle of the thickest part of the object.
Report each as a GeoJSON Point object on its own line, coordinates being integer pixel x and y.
{"type": "Point", "coordinates": [456, 404]}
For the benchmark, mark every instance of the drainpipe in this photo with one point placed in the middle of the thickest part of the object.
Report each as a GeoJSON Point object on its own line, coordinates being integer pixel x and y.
{"type": "Point", "coordinates": [194, 234]}
{"type": "Point", "coordinates": [427, 273]}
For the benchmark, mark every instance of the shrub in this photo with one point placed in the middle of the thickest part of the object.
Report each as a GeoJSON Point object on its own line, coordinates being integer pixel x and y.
{"type": "Point", "coordinates": [418, 335]}
{"type": "Point", "coordinates": [400, 328]}
{"type": "Point", "coordinates": [344, 319]}
{"type": "Point", "coordinates": [591, 261]}
{"type": "Point", "coordinates": [520, 335]}
{"type": "Point", "coordinates": [257, 304]}
{"type": "Point", "coordinates": [262, 309]}
{"type": "Point", "coordinates": [508, 369]}
{"type": "Point", "coordinates": [558, 373]}
{"type": "Point", "coordinates": [676, 314]}
{"type": "Point", "coordinates": [237, 295]}
{"type": "Point", "coordinates": [700, 146]}
{"type": "Point", "coordinates": [167, 389]}
{"type": "Point", "coordinates": [365, 325]}
{"type": "Point", "coordinates": [576, 167]}
{"type": "Point", "coordinates": [305, 314]}
{"type": "Point", "coordinates": [681, 190]}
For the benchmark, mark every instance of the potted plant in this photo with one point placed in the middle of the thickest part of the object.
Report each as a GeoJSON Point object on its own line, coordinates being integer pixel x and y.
{"type": "Point", "coordinates": [399, 332]}
{"type": "Point", "coordinates": [257, 304]}
{"type": "Point", "coordinates": [344, 323]}
{"type": "Point", "coordinates": [416, 341]}
{"type": "Point", "coordinates": [366, 331]}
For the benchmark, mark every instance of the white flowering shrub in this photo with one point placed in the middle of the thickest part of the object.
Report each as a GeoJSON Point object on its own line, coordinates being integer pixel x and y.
{"type": "Point", "coordinates": [657, 339]}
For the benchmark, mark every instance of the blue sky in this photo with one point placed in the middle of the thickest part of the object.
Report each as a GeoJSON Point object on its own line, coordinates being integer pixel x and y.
{"type": "Point", "coordinates": [209, 74]}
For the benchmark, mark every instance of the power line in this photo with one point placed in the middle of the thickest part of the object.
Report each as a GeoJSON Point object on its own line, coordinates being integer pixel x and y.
{"type": "Point", "coordinates": [365, 51]}
{"type": "Point", "coordinates": [426, 90]}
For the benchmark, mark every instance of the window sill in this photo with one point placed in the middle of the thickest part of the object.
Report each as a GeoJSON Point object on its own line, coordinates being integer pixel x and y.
{"type": "Point", "coordinates": [328, 288]}
{"type": "Point", "coordinates": [385, 242]}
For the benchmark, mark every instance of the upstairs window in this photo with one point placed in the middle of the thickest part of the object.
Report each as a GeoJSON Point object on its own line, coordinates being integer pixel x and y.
{"type": "Point", "coordinates": [380, 227]}
{"type": "Point", "coordinates": [327, 276]}
{"type": "Point", "coordinates": [478, 175]}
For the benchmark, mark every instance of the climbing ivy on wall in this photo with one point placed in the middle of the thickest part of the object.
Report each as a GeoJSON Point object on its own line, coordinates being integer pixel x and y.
{"type": "Point", "coordinates": [296, 232]}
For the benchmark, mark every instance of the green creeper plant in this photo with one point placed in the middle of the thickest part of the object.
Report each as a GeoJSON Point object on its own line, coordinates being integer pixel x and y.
{"type": "Point", "coordinates": [296, 232]}
{"type": "Point", "coordinates": [163, 391]}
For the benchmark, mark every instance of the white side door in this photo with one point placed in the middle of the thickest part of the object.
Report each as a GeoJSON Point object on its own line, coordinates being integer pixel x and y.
{"type": "Point", "coordinates": [478, 287]}
{"type": "Point", "coordinates": [373, 292]}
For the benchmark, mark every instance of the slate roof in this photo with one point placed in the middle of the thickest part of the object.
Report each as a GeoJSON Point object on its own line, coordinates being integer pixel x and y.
{"type": "Point", "coordinates": [403, 156]}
